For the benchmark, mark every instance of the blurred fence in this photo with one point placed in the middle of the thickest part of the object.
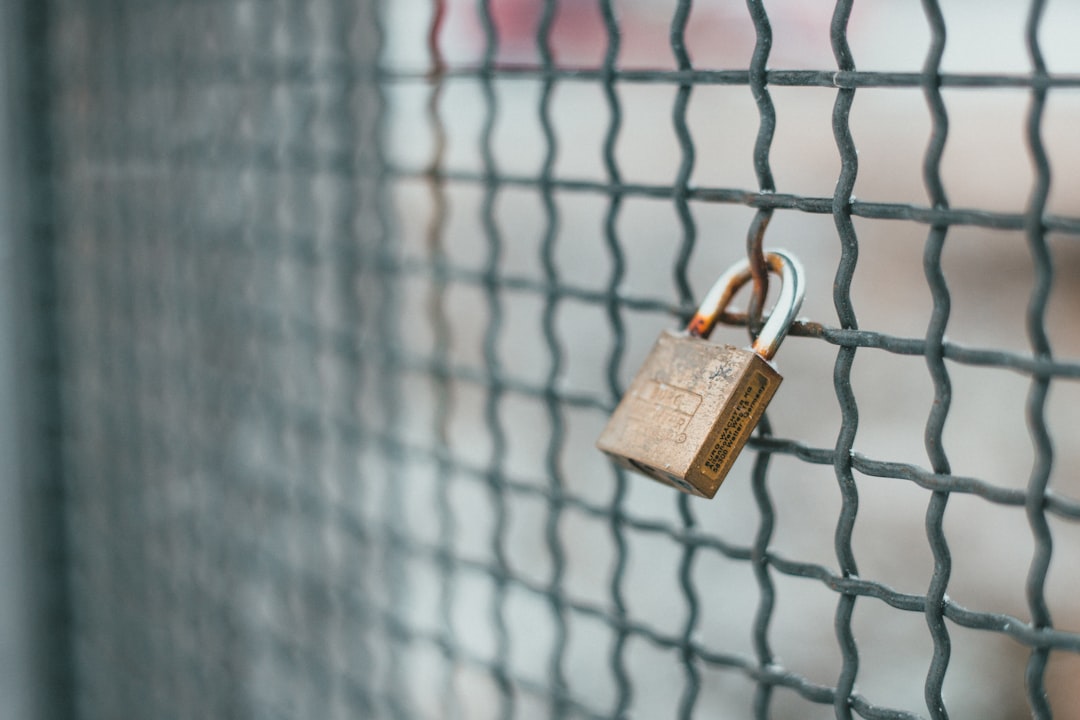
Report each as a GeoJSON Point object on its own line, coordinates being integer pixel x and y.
{"type": "Point", "coordinates": [344, 292]}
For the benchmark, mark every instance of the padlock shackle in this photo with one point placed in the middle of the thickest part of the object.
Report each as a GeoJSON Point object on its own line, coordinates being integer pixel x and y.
{"type": "Point", "coordinates": [787, 305]}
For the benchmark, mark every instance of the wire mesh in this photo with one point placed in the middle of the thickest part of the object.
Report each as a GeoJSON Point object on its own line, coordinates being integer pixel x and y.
{"type": "Point", "coordinates": [331, 369]}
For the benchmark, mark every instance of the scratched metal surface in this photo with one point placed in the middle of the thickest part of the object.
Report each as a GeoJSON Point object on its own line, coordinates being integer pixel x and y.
{"type": "Point", "coordinates": [326, 429]}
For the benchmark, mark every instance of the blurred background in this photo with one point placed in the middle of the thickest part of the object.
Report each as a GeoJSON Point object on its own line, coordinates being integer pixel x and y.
{"type": "Point", "coordinates": [314, 311]}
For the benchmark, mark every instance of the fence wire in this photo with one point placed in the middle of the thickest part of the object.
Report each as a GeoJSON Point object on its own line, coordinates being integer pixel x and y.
{"type": "Point", "coordinates": [295, 391]}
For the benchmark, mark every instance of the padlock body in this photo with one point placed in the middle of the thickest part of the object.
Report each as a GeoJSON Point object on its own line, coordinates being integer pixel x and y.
{"type": "Point", "coordinates": [689, 411]}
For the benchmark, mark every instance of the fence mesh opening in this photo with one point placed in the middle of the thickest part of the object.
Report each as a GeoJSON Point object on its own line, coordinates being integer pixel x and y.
{"type": "Point", "coordinates": [345, 292]}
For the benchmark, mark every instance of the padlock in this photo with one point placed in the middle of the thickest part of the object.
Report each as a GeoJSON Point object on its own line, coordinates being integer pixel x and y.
{"type": "Point", "coordinates": [694, 404]}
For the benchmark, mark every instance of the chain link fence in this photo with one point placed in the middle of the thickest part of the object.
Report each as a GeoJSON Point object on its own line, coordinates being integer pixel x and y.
{"type": "Point", "coordinates": [344, 292]}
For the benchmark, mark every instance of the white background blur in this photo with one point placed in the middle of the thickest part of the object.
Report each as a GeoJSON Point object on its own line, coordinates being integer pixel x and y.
{"type": "Point", "coordinates": [986, 166]}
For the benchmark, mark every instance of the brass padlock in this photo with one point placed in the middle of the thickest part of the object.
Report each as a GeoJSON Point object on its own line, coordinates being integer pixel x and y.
{"type": "Point", "coordinates": [694, 404]}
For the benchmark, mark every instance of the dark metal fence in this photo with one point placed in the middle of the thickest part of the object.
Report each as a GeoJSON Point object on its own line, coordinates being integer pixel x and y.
{"type": "Point", "coordinates": [333, 351]}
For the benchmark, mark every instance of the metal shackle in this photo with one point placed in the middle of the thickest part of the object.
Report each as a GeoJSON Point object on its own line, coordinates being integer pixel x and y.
{"type": "Point", "coordinates": [783, 314]}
